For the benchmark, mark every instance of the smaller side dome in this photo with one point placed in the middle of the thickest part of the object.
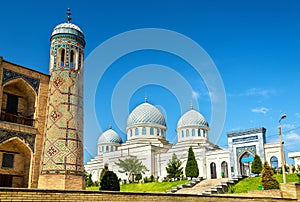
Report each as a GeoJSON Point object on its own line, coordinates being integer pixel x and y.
{"type": "Point", "coordinates": [110, 136]}
{"type": "Point", "coordinates": [192, 118]}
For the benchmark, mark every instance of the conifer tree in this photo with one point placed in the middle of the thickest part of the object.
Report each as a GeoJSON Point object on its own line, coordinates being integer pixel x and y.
{"type": "Point", "coordinates": [268, 180]}
{"type": "Point", "coordinates": [191, 168]}
{"type": "Point", "coordinates": [174, 169]}
{"type": "Point", "coordinates": [104, 170]}
{"type": "Point", "coordinates": [256, 166]}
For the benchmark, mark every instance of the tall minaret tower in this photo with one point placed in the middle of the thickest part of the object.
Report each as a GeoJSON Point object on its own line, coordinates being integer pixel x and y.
{"type": "Point", "coordinates": [62, 163]}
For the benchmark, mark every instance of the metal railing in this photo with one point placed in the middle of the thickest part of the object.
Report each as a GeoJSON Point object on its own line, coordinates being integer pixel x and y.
{"type": "Point", "coordinates": [13, 118]}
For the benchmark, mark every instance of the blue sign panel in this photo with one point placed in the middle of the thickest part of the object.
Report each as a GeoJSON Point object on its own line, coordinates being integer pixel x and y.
{"type": "Point", "coordinates": [247, 159]}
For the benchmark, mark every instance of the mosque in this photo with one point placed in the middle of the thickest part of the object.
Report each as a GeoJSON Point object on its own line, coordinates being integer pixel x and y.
{"type": "Point", "coordinates": [146, 142]}
{"type": "Point", "coordinates": [41, 128]}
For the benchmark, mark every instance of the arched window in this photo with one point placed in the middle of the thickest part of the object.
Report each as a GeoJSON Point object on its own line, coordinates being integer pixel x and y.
{"type": "Point", "coordinates": [136, 131]}
{"type": "Point", "coordinates": [151, 131]}
{"type": "Point", "coordinates": [130, 132]}
{"type": "Point", "coordinates": [224, 169]}
{"type": "Point", "coordinates": [163, 133]}
{"type": "Point", "coordinates": [213, 172]}
{"type": "Point", "coordinates": [274, 162]}
{"type": "Point", "coordinates": [102, 149]}
{"type": "Point", "coordinates": [107, 148]}
{"type": "Point", "coordinates": [62, 57]}
{"type": "Point", "coordinates": [157, 131]}
{"type": "Point", "coordinates": [72, 58]}
{"type": "Point", "coordinates": [187, 132]}
{"type": "Point", "coordinates": [199, 132]}
{"type": "Point", "coordinates": [204, 133]}
{"type": "Point", "coordinates": [143, 131]}
{"type": "Point", "coordinates": [182, 133]}
{"type": "Point", "coordinates": [193, 132]}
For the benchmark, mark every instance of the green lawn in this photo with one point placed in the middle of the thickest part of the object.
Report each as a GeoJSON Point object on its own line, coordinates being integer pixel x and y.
{"type": "Point", "coordinates": [252, 183]}
{"type": "Point", "coordinates": [147, 187]}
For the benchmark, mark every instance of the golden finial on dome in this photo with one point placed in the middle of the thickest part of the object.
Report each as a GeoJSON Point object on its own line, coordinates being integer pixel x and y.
{"type": "Point", "coordinates": [69, 14]}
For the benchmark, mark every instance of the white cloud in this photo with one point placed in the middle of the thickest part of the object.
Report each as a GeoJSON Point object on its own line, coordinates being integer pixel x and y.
{"type": "Point", "coordinates": [293, 136]}
{"type": "Point", "coordinates": [195, 95]}
{"type": "Point", "coordinates": [291, 141]}
{"type": "Point", "coordinates": [261, 92]}
{"type": "Point", "coordinates": [287, 126]}
{"type": "Point", "coordinates": [262, 110]}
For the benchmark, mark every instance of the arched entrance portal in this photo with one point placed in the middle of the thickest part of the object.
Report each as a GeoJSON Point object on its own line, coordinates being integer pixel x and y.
{"type": "Point", "coordinates": [213, 172]}
{"type": "Point", "coordinates": [224, 169]}
{"type": "Point", "coordinates": [245, 163]}
{"type": "Point", "coordinates": [15, 163]}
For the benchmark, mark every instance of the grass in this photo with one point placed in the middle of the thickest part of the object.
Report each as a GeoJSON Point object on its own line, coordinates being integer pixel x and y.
{"type": "Point", "coordinates": [147, 187]}
{"type": "Point", "coordinates": [252, 183]}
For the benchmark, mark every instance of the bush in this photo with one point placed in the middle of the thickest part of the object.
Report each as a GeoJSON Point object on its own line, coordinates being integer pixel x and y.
{"type": "Point", "coordinates": [138, 177]}
{"type": "Point", "coordinates": [146, 180]}
{"type": "Point", "coordinates": [89, 181]}
{"type": "Point", "coordinates": [110, 182]}
{"type": "Point", "coordinates": [268, 179]}
{"type": "Point", "coordinates": [151, 179]}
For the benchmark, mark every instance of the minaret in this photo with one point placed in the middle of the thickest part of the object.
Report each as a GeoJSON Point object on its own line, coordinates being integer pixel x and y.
{"type": "Point", "coordinates": [62, 163]}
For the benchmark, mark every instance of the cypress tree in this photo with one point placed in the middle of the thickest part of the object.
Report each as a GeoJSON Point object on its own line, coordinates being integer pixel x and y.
{"type": "Point", "coordinates": [191, 168]}
{"type": "Point", "coordinates": [256, 166]}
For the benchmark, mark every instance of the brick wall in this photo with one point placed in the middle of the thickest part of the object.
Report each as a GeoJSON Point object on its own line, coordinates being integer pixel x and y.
{"type": "Point", "coordinates": [11, 194]}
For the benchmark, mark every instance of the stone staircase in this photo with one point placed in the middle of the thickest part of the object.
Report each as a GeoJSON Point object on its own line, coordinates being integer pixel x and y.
{"type": "Point", "coordinates": [208, 187]}
{"type": "Point", "coordinates": [190, 184]}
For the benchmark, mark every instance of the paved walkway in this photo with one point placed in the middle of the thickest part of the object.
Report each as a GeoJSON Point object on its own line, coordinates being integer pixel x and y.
{"type": "Point", "coordinates": [202, 186]}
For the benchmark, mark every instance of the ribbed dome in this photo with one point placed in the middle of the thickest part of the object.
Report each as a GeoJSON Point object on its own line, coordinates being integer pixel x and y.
{"type": "Point", "coordinates": [146, 114]}
{"type": "Point", "coordinates": [192, 118]}
{"type": "Point", "coordinates": [110, 136]}
{"type": "Point", "coordinates": [68, 28]}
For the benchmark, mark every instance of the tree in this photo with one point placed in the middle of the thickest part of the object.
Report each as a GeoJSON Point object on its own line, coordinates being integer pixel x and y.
{"type": "Point", "coordinates": [256, 166]}
{"type": "Point", "coordinates": [104, 170]}
{"type": "Point", "coordinates": [89, 181]}
{"type": "Point", "coordinates": [110, 182]}
{"type": "Point", "coordinates": [132, 167]}
{"type": "Point", "coordinates": [268, 180]}
{"type": "Point", "coordinates": [191, 168]}
{"type": "Point", "coordinates": [174, 169]}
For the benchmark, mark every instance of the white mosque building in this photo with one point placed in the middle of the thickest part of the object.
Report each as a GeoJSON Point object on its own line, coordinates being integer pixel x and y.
{"type": "Point", "coordinates": [146, 141]}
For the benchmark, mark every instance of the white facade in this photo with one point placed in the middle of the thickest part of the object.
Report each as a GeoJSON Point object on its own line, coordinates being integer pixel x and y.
{"type": "Point", "coordinates": [296, 157]}
{"type": "Point", "coordinates": [146, 141]}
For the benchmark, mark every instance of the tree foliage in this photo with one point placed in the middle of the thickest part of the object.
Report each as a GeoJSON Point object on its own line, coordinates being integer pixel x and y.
{"type": "Point", "coordinates": [256, 166]}
{"type": "Point", "coordinates": [268, 180]}
{"type": "Point", "coordinates": [132, 167]}
{"type": "Point", "coordinates": [89, 181]}
{"type": "Point", "coordinates": [110, 182]}
{"type": "Point", "coordinates": [104, 170]}
{"type": "Point", "coordinates": [191, 168]}
{"type": "Point", "coordinates": [174, 169]}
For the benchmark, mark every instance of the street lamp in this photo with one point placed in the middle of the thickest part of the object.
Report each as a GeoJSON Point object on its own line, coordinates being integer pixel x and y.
{"type": "Point", "coordinates": [281, 149]}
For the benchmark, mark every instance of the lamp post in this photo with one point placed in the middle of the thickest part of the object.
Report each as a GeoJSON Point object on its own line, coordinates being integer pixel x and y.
{"type": "Point", "coordinates": [281, 149]}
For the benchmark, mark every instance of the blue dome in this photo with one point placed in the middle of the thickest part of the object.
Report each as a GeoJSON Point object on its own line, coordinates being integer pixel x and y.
{"type": "Point", "coordinates": [110, 136]}
{"type": "Point", "coordinates": [68, 28]}
{"type": "Point", "coordinates": [146, 114]}
{"type": "Point", "coordinates": [192, 118]}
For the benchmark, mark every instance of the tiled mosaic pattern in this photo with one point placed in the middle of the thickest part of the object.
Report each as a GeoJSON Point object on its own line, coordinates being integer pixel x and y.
{"type": "Point", "coordinates": [63, 147]}
{"type": "Point", "coordinates": [9, 75]}
{"type": "Point", "coordinates": [241, 150]}
{"type": "Point", "coordinates": [28, 138]}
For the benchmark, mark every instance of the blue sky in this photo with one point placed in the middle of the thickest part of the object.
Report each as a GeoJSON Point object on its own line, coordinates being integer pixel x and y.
{"type": "Point", "coordinates": [254, 45]}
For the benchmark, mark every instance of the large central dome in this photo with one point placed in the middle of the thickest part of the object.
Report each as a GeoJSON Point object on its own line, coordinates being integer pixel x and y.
{"type": "Point", "coordinates": [192, 118]}
{"type": "Point", "coordinates": [146, 114]}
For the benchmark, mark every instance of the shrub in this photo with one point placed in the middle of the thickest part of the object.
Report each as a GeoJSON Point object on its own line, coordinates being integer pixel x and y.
{"type": "Point", "coordinates": [89, 181]}
{"type": "Point", "coordinates": [110, 182]}
{"type": "Point", "coordinates": [268, 179]}
{"type": "Point", "coordinates": [151, 178]}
